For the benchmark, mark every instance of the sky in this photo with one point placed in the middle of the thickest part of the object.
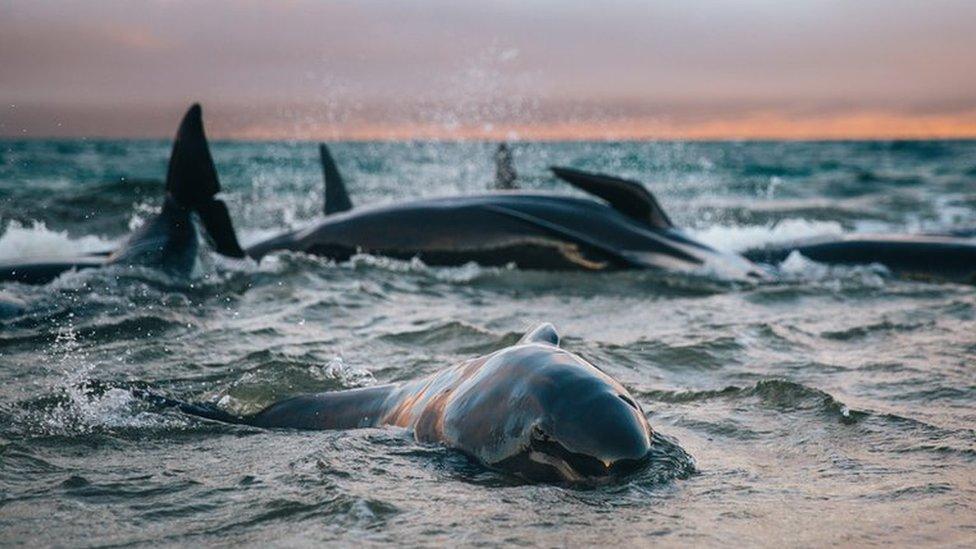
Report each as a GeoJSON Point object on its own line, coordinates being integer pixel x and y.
{"type": "Point", "coordinates": [512, 69]}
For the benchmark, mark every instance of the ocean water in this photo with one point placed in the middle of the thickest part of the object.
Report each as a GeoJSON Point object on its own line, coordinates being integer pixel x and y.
{"type": "Point", "coordinates": [830, 406]}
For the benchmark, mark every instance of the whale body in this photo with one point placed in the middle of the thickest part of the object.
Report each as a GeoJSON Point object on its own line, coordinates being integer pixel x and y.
{"type": "Point", "coordinates": [921, 257]}
{"type": "Point", "coordinates": [628, 230]}
{"type": "Point", "coordinates": [532, 409]}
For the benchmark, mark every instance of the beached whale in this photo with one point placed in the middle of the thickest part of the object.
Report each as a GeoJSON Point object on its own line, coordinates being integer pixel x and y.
{"type": "Point", "coordinates": [922, 257]}
{"type": "Point", "coordinates": [168, 241]}
{"type": "Point", "coordinates": [531, 409]}
{"type": "Point", "coordinates": [529, 230]}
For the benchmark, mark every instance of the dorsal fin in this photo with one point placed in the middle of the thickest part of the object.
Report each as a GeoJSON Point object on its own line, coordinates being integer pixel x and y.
{"type": "Point", "coordinates": [543, 333]}
{"type": "Point", "coordinates": [191, 178]}
{"type": "Point", "coordinates": [336, 198]}
{"type": "Point", "coordinates": [628, 197]}
{"type": "Point", "coordinates": [505, 173]}
{"type": "Point", "coordinates": [192, 182]}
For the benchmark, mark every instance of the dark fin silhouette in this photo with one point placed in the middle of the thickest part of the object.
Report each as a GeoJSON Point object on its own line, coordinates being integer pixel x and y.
{"type": "Point", "coordinates": [543, 333]}
{"type": "Point", "coordinates": [205, 411]}
{"type": "Point", "coordinates": [219, 229]}
{"type": "Point", "coordinates": [628, 197]}
{"type": "Point", "coordinates": [336, 198]}
{"type": "Point", "coordinates": [191, 178]}
{"type": "Point", "coordinates": [192, 182]}
{"type": "Point", "coordinates": [505, 173]}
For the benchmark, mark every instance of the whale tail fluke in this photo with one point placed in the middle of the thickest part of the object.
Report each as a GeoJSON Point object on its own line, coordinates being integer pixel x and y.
{"type": "Point", "coordinates": [192, 182]}
{"type": "Point", "coordinates": [220, 229]}
{"type": "Point", "coordinates": [336, 197]}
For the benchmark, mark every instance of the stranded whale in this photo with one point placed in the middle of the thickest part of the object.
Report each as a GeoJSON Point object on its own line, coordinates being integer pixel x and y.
{"type": "Point", "coordinates": [168, 241]}
{"type": "Point", "coordinates": [922, 257]}
{"type": "Point", "coordinates": [529, 230]}
{"type": "Point", "coordinates": [532, 409]}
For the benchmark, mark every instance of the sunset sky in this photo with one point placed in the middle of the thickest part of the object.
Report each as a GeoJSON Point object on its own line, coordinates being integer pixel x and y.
{"type": "Point", "coordinates": [552, 69]}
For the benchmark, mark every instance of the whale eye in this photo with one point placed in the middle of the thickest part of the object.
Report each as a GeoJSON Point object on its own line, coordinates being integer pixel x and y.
{"type": "Point", "coordinates": [632, 404]}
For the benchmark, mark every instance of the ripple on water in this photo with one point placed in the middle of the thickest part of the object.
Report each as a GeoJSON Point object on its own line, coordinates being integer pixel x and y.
{"type": "Point", "coordinates": [830, 406]}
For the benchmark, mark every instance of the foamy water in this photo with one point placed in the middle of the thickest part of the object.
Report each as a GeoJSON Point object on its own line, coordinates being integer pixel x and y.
{"type": "Point", "coordinates": [833, 406]}
{"type": "Point", "coordinates": [36, 240]}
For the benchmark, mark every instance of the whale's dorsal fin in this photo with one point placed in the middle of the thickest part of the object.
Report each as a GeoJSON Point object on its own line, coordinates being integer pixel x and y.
{"type": "Point", "coordinates": [336, 198]}
{"type": "Point", "coordinates": [628, 197]}
{"type": "Point", "coordinates": [543, 333]}
{"type": "Point", "coordinates": [191, 180]}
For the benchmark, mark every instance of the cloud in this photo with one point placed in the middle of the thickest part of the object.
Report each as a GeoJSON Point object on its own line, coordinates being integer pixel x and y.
{"type": "Point", "coordinates": [435, 63]}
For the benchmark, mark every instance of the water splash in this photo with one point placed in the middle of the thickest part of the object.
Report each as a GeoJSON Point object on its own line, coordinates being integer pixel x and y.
{"type": "Point", "coordinates": [742, 237]}
{"type": "Point", "coordinates": [79, 410]}
{"type": "Point", "coordinates": [36, 240]}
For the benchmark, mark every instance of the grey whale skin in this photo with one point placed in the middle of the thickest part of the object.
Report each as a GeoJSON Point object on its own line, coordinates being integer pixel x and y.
{"type": "Point", "coordinates": [921, 257]}
{"type": "Point", "coordinates": [529, 230]}
{"type": "Point", "coordinates": [553, 232]}
{"type": "Point", "coordinates": [531, 409]}
{"type": "Point", "coordinates": [168, 241]}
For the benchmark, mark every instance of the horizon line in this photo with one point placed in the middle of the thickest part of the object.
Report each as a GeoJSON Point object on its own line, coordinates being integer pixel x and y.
{"type": "Point", "coordinates": [865, 126]}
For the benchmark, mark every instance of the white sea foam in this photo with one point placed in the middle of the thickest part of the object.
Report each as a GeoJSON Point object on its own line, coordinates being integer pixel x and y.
{"type": "Point", "coordinates": [36, 240]}
{"type": "Point", "coordinates": [738, 238]}
{"type": "Point", "coordinates": [85, 412]}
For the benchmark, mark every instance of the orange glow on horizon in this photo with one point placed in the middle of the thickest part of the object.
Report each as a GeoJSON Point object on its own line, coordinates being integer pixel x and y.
{"type": "Point", "coordinates": [765, 126]}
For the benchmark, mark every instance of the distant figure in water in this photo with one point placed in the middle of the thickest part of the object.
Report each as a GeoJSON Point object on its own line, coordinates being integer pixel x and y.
{"type": "Point", "coordinates": [504, 170]}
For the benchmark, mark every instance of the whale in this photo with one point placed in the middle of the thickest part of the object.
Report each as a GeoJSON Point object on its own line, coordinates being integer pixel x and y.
{"type": "Point", "coordinates": [929, 257]}
{"type": "Point", "coordinates": [533, 410]}
{"type": "Point", "coordinates": [625, 229]}
{"type": "Point", "coordinates": [168, 241]}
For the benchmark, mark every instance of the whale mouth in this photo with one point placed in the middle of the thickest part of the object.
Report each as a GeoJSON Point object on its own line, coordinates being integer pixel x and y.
{"type": "Point", "coordinates": [577, 467]}
{"type": "Point", "coordinates": [546, 460]}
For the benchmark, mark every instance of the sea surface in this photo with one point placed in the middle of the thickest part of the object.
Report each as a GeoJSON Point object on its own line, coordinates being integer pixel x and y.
{"type": "Point", "coordinates": [831, 406]}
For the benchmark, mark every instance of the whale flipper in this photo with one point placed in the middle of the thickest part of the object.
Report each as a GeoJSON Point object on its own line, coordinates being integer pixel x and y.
{"type": "Point", "coordinates": [628, 197]}
{"type": "Point", "coordinates": [543, 333]}
{"type": "Point", "coordinates": [336, 197]}
{"type": "Point", "coordinates": [567, 233]}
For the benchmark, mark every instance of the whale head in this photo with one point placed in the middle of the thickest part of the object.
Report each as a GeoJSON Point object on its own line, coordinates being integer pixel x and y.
{"type": "Point", "coordinates": [586, 435]}
{"type": "Point", "coordinates": [546, 414]}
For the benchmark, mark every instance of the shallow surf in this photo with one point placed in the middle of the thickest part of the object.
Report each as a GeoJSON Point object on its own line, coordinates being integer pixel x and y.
{"type": "Point", "coordinates": [831, 406]}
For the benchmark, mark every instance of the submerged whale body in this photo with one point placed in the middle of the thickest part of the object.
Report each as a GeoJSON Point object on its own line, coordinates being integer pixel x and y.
{"type": "Point", "coordinates": [925, 257]}
{"type": "Point", "coordinates": [168, 241]}
{"type": "Point", "coordinates": [532, 409]}
{"type": "Point", "coordinates": [528, 230]}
